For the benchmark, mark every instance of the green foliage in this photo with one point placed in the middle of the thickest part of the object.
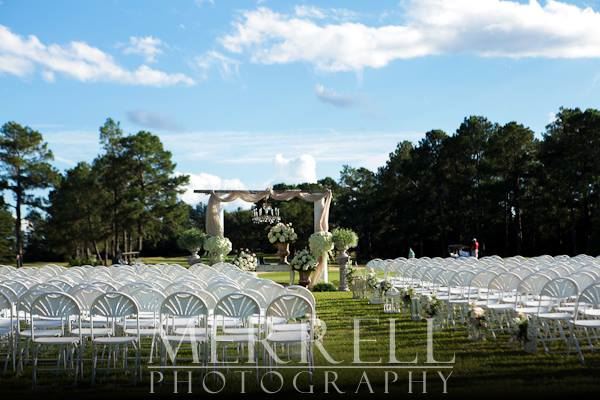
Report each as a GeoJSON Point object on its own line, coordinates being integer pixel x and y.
{"type": "Point", "coordinates": [191, 240]}
{"type": "Point", "coordinates": [324, 287]}
{"type": "Point", "coordinates": [7, 251]}
{"type": "Point", "coordinates": [344, 238]}
{"type": "Point", "coordinates": [24, 167]}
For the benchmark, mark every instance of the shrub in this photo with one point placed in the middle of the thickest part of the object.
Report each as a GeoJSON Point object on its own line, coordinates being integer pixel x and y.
{"type": "Point", "coordinates": [324, 287]}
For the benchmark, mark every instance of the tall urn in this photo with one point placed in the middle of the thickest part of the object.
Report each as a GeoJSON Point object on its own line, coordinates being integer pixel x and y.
{"type": "Point", "coordinates": [283, 251]}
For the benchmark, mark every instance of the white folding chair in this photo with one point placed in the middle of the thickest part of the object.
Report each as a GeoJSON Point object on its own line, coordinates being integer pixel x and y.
{"type": "Point", "coordinates": [63, 307]}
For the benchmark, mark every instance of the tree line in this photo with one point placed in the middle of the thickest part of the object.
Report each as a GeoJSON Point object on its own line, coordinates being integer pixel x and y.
{"type": "Point", "coordinates": [515, 192]}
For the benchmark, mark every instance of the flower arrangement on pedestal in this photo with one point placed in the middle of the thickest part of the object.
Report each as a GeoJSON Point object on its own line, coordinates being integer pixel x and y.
{"type": "Point", "coordinates": [320, 244]}
{"type": "Point", "coordinates": [217, 248]}
{"type": "Point", "coordinates": [281, 235]}
{"type": "Point", "coordinates": [305, 263]}
{"type": "Point", "coordinates": [192, 241]}
{"type": "Point", "coordinates": [476, 322]}
{"type": "Point", "coordinates": [343, 239]}
{"type": "Point", "coordinates": [245, 260]}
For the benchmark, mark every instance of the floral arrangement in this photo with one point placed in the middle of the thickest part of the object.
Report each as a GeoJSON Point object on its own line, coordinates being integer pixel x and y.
{"type": "Point", "coordinates": [350, 273]}
{"type": "Point", "coordinates": [320, 243]}
{"type": "Point", "coordinates": [521, 323]}
{"type": "Point", "coordinates": [407, 296]}
{"type": "Point", "coordinates": [384, 286]}
{"type": "Point", "coordinates": [282, 233]}
{"type": "Point", "coordinates": [476, 322]}
{"type": "Point", "coordinates": [191, 240]}
{"type": "Point", "coordinates": [245, 260]}
{"type": "Point", "coordinates": [344, 238]}
{"type": "Point", "coordinates": [430, 306]}
{"type": "Point", "coordinates": [303, 261]}
{"type": "Point", "coordinates": [217, 248]}
{"type": "Point", "coordinates": [372, 279]}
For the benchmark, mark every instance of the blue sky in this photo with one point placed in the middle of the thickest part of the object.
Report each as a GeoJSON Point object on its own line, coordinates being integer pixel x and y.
{"type": "Point", "coordinates": [247, 93]}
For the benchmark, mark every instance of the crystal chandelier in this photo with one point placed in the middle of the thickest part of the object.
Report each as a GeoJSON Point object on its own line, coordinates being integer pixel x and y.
{"type": "Point", "coordinates": [265, 214]}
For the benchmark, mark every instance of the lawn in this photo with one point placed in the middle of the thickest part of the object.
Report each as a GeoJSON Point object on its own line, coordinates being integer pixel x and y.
{"type": "Point", "coordinates": [490, 368]}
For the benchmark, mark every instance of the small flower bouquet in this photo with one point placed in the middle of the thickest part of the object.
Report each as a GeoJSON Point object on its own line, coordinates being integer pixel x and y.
{"type": "Point", "coordinates": [384, 286]}
{"type": "Point", "coordinates": [304, 261]}
{"type": "Point", "coordinates": [524, 333]}
{"type": "Point", "coordinates": [407, 295]}
{"type": "Point", "coordinates": [245, 260]}
{"type": "Point", "coordinates": [476, 322]}
{"type": "Point", "coordinates": [282, 233]}
{"type": "Point", "coordinates": [374, 287]}
{"type": "Point", "coordinates": [431, 307]}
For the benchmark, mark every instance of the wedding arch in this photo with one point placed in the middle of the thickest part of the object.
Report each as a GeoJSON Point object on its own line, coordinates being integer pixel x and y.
{"type": "Point", "coordinates": [321, 200]}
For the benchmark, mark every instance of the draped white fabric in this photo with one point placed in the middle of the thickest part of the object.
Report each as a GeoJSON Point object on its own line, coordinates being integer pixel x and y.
{"type": "Point", "coordinates": [321, 201]}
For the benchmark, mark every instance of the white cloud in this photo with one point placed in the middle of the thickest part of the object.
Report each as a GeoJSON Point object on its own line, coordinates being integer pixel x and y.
{"type": "Point", "coordinates": [227, 66]}
{"type": "Point", "coordinates": [296, 170]}
{"type": "Point", "coordinates": [489, 28]}
{"type": "Point", "coordinates": [147, 46]}
{"type": "Point", "coordinates": [152, 120]}
{"type": "Point", "coordinates": [21, 56]}
{"type": "Point", "coordinates": [334, 98]}
{"type": "Point", "coordinates": [207, 181]}
{"type": "Point", "coordinates": [309, 12]}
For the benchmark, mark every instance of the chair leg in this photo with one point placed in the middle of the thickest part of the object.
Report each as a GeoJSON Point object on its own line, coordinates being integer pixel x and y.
{"type": "Point", "coordinates": [35, 365]}
{"type": "Point", "coordinates": [94, 363]}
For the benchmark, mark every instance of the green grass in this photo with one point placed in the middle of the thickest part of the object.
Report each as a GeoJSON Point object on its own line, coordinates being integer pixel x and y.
{"type": "Point", "coordinates": [490, 368]}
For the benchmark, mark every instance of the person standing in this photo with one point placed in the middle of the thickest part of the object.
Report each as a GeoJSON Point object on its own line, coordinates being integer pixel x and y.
{"type": "Point", "coordinates": [475, 248]}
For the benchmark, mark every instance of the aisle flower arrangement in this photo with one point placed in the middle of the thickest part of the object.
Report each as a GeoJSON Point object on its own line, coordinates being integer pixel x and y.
{"type": "Point", "coordinates": [384, 286]}
{"type": "Point", "coordinates": [476, 323]}
{"type": "Point", "coordinates": [407, 295]}
{"type": "Point", "coordinates": [372, 279]}
{"type": "Point", "coordinates": [303, 261]}
{"type": "Point", "coordinates": [431, 306]}
{"type": "Point", "coordinates": [217, 248]}
{"type": "Point", "coordinates": [246, 260]}
{"type": "Point", "coordinates": [524, 333]}
{"type": "Point", "coordinates": [282, 233]}
{"type": "Point", "coordinates": [374, 286]}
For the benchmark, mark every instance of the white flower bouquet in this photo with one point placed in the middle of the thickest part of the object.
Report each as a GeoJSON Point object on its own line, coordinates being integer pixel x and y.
{"type": "Point", "coordinates": [303, 261]}
{"type": "Point", "coordinates": [246, 260]}
{"type": "Point", "coordinates": [282, 233]}
{"type": "Point", "coordinates": [476, 322]}
{"type": "Point", "coordinates": [372, 279]}
{"type": "Point", "coordinates": [431, 306]}
{"type": "Point", "coordinates": [320, 243]}
{"type": "Point", "coordinates": [384, 286]}
{"type": "Point", "coordinates": [217, 248]}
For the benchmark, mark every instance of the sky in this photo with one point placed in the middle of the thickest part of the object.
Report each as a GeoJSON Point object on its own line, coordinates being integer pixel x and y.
{"type": "Point", "coordinates": [249, 93]}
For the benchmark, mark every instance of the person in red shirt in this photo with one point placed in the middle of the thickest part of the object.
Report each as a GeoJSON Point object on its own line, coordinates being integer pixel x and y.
{"type": "Point", "coordinates": [475, 248]}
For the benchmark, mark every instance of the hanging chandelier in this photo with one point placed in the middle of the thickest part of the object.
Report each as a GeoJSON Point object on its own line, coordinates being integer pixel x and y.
{"type": "Point", "coordinates": [265, 214]}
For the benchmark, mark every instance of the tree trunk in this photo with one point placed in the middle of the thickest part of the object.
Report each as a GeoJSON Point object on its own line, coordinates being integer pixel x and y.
{"type": "Point", "coordinates": [18, 232]}
{"type": "Point", "coordinates": [105, 252]}
{"type": "Point", "coordinates": [140, 237]}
